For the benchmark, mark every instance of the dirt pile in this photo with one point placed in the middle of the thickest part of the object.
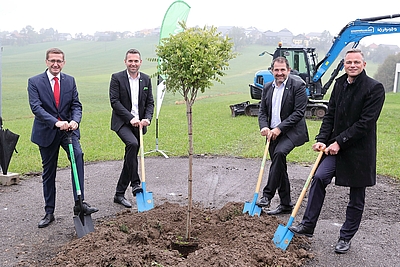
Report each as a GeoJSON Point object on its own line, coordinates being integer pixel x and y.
{"type": "Point", "coordinates": [226, 237]}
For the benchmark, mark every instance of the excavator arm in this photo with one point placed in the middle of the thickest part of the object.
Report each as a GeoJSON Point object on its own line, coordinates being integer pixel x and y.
{"type": "Point", "coordinates": [353, 32]}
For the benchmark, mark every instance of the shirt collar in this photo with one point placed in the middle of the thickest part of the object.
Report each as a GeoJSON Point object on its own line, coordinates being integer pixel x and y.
{"type": "Point", "coordinates": [283, 85]}
{"type": "Point", "coordinates": [51, 76]}
{"type": "Point", "coordinates": [129, 76]}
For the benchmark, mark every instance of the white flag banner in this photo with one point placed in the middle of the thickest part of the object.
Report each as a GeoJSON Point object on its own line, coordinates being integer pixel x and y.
{"type": "Point", "coordinates": [160, 95]}
{"type": "Point", "coordinates": [177, 12]}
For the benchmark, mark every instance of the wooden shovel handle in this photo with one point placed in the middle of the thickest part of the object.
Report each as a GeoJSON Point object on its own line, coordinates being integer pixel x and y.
{"type": "Point", "coordinates": [304, 191]}
{"type": "Point", "coordinates": [142, 154]}
{"type": "Point", "coordinates": [260, 175]}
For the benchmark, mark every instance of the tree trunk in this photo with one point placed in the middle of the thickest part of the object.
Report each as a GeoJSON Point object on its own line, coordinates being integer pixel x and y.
{"type": "Point", "coordinates": [190, 175]}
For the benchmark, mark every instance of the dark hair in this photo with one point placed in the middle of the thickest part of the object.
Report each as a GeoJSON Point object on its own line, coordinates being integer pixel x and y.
{"type": "Point", "coordinates": [280, 60]}
{"type": "Point", "coordinates": [54, 51]}
{"type": "Point", "coordinates": [132, 51]}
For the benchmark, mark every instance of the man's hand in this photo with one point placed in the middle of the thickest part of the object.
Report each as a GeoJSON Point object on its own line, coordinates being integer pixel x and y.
{"type": "Point", "coordinates": [332, 149]}
{"type": "Point", "coordinates": [135, 122]}
{"type": "Point", "coordinates": [265, 131]}
{"type": "Point", "coordinates": [144, 122]}
{"type": "Point", "coordinates": [274, 133]}
{"type": "Point", "coordinates": [318, 146]}
{"type": "Point", "coordinates": [73, 125]}
{"type": "Point", "coordinates": [63, 125]}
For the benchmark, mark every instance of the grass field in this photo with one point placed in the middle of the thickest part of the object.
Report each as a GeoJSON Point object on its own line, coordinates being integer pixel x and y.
{"type": "Point", "coordinates": [215, 130]}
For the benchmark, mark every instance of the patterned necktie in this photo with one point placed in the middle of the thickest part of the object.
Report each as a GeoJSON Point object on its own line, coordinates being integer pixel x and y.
{"type": "Point", "coordinates": [56, 91]}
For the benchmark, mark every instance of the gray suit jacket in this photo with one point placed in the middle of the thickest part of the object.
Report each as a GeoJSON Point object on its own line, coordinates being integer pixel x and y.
{"type": "Point", "coordinates": [294, 102]}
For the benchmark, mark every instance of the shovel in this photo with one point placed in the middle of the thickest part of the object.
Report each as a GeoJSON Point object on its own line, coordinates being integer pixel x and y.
{"type": "Point", "coordinates": [83, 223]}
{"type": "Point", "coordinates": [251, 207]}
{"type": "Point", "coordinates": [144, 199]}
{"type": "Point", "coordinates": [283, 235]}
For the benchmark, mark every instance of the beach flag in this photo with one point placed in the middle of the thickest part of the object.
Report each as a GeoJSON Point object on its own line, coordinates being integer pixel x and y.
{"type": "Point", "coordinates": [177, 12]}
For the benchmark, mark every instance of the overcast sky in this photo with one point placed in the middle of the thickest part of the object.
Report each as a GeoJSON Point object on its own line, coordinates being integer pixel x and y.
{"type": "Point", "coordinates": [89, 16]}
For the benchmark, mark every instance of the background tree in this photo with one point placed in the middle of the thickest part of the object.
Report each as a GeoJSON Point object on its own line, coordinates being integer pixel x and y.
{"type": "Point", "coordinates": [190, 61]}
{"type": "Point", "coordinates": [238, 37]}
{"type": "Point", "coordinates": [386, 72]}
{"type": "Point", "coordinates": [379, 54]}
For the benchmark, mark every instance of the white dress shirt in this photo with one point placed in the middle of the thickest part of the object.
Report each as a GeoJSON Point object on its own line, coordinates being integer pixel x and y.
{"type": "Point", "coordinates": [276, 104]}
{"type": "Point", "coordinates": [134, 84]}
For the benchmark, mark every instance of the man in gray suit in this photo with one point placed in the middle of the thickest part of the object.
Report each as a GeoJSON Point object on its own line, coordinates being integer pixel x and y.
{"type": "Point", "coordinates": [281, 120]}
{"type": "Point", "coordinates": [132, 105]}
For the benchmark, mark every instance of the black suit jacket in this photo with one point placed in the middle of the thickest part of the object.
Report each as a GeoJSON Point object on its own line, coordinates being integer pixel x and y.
{"type": "Point", "coordinates": [294, 102]}
{"type": "Point", "coordinates": [43, 106]}
{"type": "Point", "coordinates": [351, 121]}
{"type": "Point", "coordinates": [121, 101]}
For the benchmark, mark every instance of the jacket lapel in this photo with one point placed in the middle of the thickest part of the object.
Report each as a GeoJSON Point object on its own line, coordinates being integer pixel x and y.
{"type": "Point", "coordinates": [288, 87]}
{"type": "Point", "coordinates": [141, 88]}
{"type": "Point", "coordinates": [49, 89]}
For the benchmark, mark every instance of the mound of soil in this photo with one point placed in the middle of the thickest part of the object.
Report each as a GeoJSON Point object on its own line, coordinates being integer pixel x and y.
{"type": "Point", "coordinates": [225, 237]}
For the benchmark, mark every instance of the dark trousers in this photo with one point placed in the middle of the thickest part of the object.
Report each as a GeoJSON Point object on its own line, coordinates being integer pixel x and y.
{"type": "Point", "coordinates": [129, 174]}
{"type": "Point", "coordinates": [278, 178]}
{"type": "Point", "coordinates": [49, 161]}
{"type": "Point", "coordinates": [355, 207]}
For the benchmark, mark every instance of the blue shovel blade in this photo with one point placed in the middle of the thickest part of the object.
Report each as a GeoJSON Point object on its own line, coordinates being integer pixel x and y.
{"type": "Point", "coordinates": [251, 207]}
{"type": "Point", "coordinates": [283, 235]}
{"type": "Point", "coordinates": [144, 199]}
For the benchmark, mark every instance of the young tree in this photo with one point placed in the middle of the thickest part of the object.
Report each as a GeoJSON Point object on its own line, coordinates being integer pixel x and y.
{"type": "Point", "coordinates": [386, 72]}
{"type": "Point", "coordinates": [190, 61]}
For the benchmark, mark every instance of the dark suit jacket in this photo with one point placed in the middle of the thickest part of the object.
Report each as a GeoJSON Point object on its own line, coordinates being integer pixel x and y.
{"type": "Point", "coordinates": [43, 106]}
{"type": "Point", "coordinates": [121, 101]}
{"type": "Point", "coordinates": [294, 102]}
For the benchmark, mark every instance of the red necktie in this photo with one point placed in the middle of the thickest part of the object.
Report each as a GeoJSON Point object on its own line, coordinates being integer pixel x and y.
{"type": "Point", "coordinates": [56, 91]}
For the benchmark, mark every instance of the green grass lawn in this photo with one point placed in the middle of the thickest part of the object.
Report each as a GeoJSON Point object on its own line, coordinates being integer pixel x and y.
{"type": "Point", "coordinates": [215, 131]}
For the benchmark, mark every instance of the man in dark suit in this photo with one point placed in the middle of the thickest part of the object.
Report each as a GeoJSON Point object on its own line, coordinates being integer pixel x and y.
{"type": "Point", "coordinates": [132, 105]}
{"type": "Point", "coordinates": [281, 120]}
{"type": "Point", "coordinates": [348, 137]}
{"type": "Point", "coordinates": [53, 98]}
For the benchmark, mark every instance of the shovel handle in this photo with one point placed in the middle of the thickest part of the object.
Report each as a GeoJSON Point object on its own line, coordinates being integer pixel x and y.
{"type": "Point", "coordinates": [304, 191]}
{"type": "Point", "coordinates": [260, 175]}
{"type": "Point", "coordinates": [142, 154]}
{"type": "Point", "coordinates": [73, 163]}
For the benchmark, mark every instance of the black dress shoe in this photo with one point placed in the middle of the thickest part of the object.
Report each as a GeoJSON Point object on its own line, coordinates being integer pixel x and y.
{"type": "Point", "coordinates": [122, 200]}
{"type": "Point", "coordinates": [47, 219]}
{"type": "Point", "coordinates": [136, 189]}
{"type": "Point", "coordinates": [301, 229]}
{"type": "Point", "coordinates": [342, 246]}
{"type": "Point", "coordinates": [264, 202]}
{"type": "Point", "coordinates": [87, 209]}
{"type": "Point", "coordinates": [281, 209]}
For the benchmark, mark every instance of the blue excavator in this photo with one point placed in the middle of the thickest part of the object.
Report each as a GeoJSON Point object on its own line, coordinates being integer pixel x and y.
{"type": "Point", "coordinates": [304, 63]}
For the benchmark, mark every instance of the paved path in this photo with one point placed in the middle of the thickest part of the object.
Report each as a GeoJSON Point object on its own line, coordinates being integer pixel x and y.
{"type": "Point", "coordinates": [216, 181]}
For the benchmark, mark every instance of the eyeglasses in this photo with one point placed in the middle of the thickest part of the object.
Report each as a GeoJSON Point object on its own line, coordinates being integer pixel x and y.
{"type": "Point", "coordinates": [55, 61]}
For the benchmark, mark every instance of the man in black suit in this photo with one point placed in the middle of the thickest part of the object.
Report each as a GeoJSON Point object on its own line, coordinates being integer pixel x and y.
{"type": "Point", "coordinates": [281, 120]}
{"type": "Point", "coordinates": [132, 105]}
{"type": "Point", "coordinates": [348, 137]}
{"type": "Point", "coordinates": [53, 98]}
